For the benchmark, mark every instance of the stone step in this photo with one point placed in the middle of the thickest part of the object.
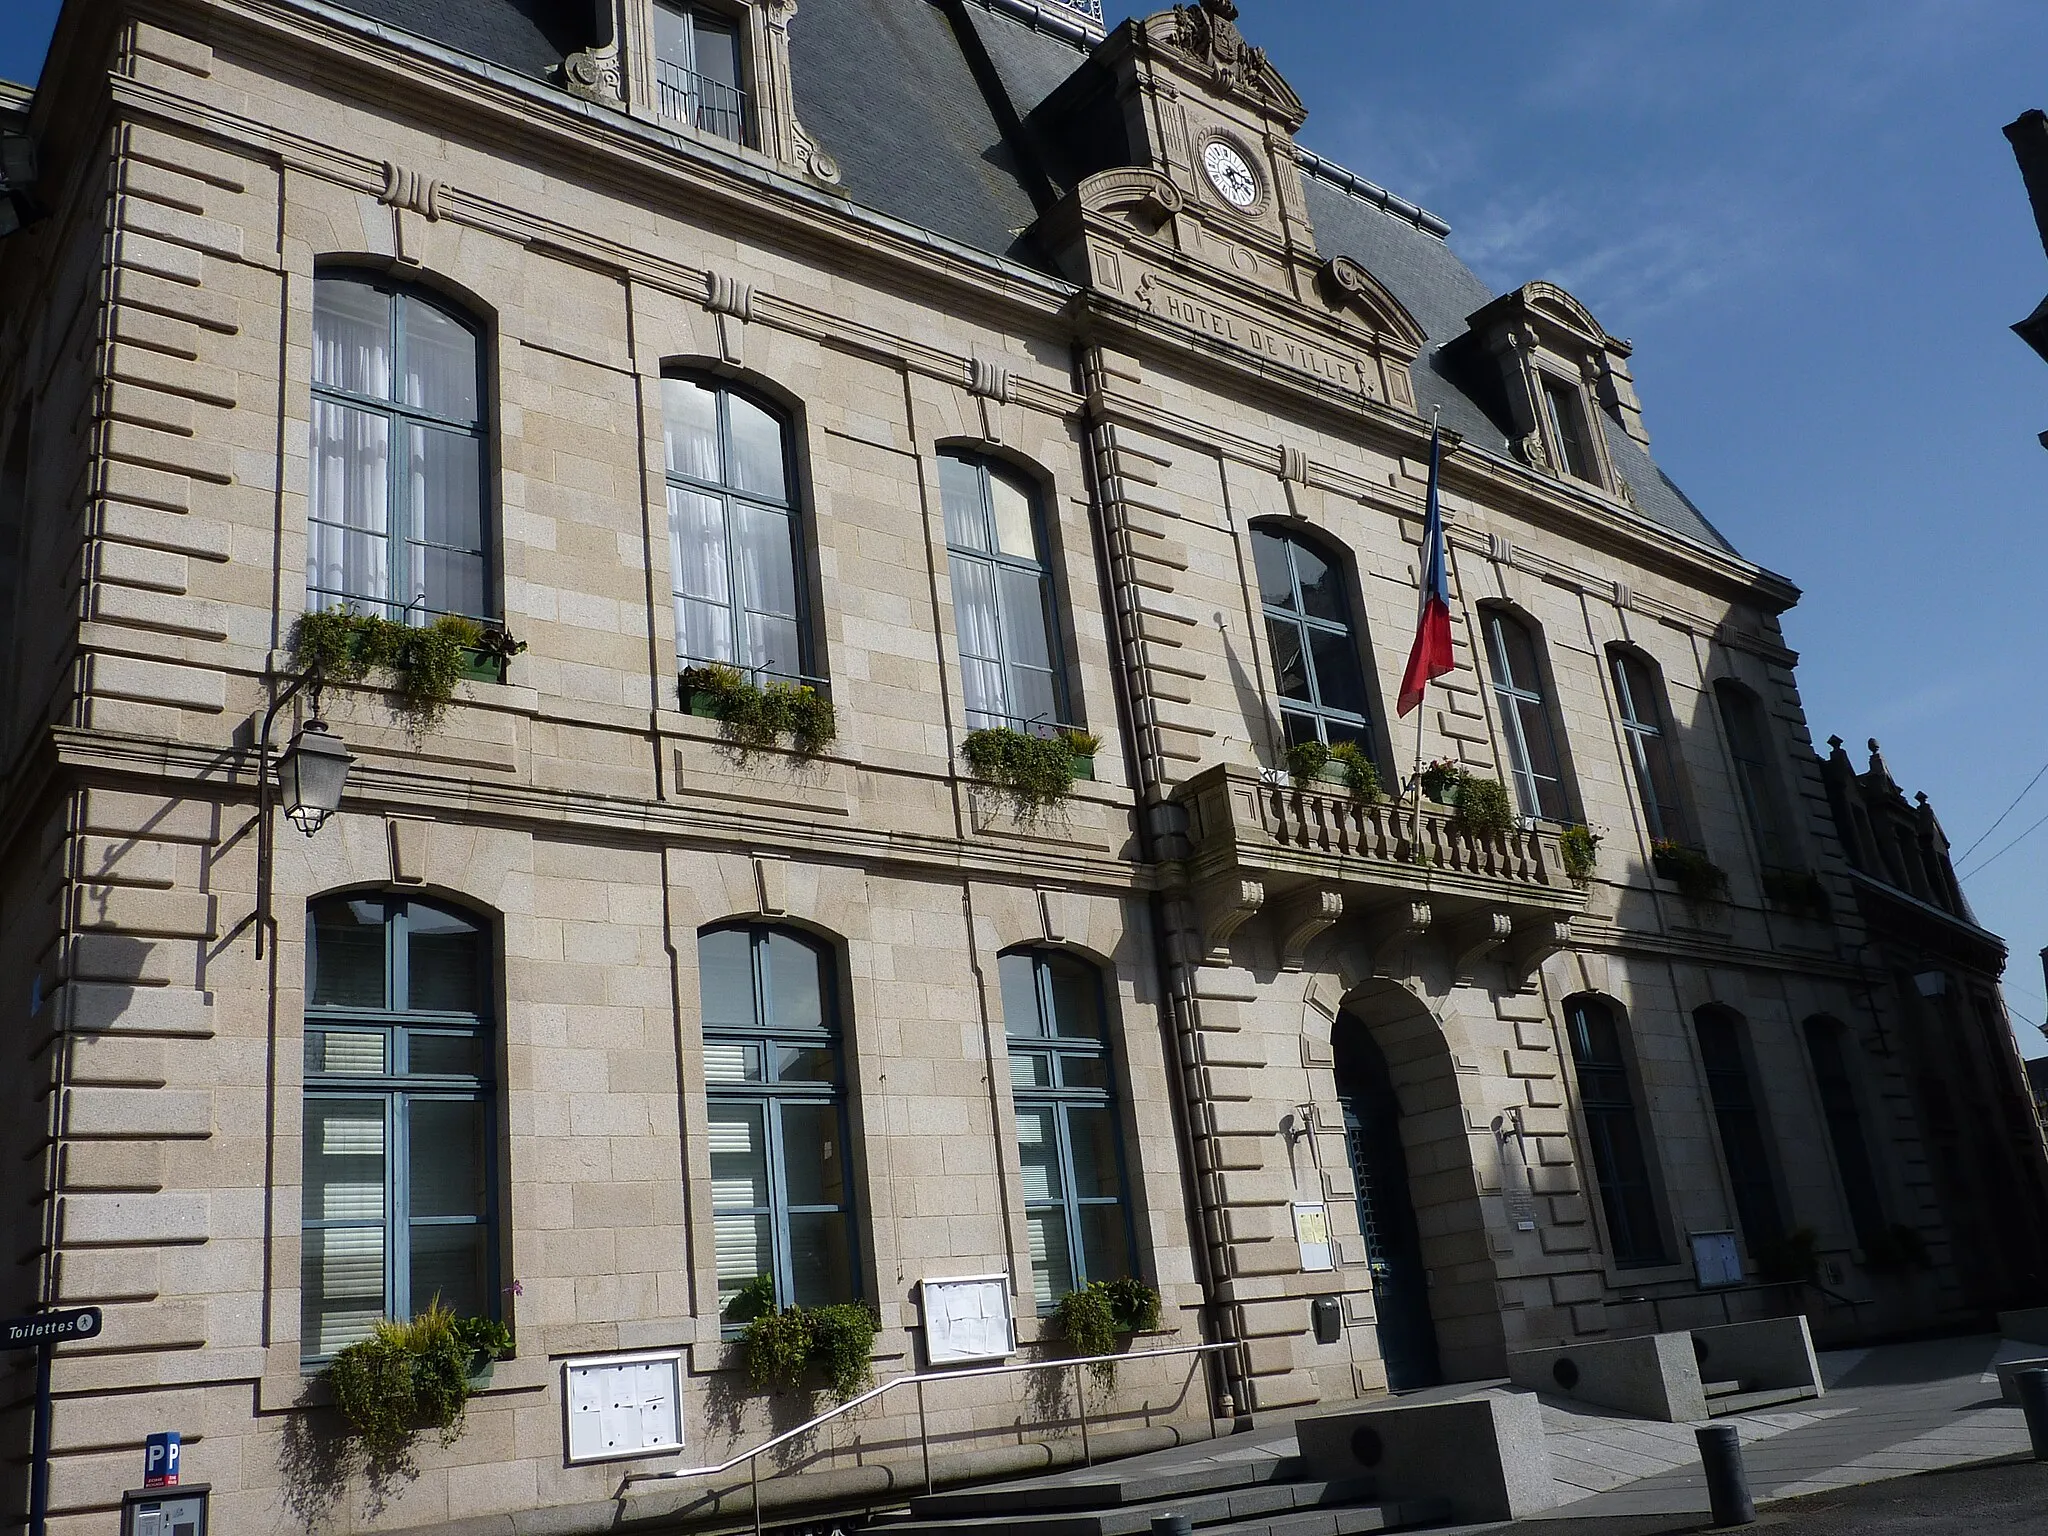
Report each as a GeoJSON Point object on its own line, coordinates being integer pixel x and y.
{"type": "Point", "coordinates": [1245, 1505]}
{"type": "Point", "coordinates": [1749, 1402]}
{"type": "Point", "coordinates": [1723, 1388]}
{"type": "Point", "coordinates": [1352, 1520]}
{"type": "Point", "coordinates": [1106, 1488]}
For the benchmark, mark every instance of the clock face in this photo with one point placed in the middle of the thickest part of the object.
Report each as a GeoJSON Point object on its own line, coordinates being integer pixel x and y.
{"type": "Point", "coordinates": [1229, 175]}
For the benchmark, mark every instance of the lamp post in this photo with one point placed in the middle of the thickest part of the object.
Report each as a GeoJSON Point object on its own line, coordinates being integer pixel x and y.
{"type": "Point", "coordinates": [310, 777]}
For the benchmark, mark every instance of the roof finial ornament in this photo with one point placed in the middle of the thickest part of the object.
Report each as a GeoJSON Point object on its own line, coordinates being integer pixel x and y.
{"type": "Point", "coordinates": [1877, 761]}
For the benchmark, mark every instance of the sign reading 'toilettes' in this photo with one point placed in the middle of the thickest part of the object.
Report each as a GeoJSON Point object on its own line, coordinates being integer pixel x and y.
{"type": "Point", "coordinates": [49, 1328]}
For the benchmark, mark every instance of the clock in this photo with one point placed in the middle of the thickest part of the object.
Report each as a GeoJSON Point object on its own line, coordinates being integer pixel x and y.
{"type": "Point", "coordinates": [1229, 174]}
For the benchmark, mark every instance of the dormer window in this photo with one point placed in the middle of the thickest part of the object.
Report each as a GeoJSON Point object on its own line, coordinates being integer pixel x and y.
{"type": "Point", "coordinates": [697, 70]}
{"type": "Point", "coordinates": [1567, 413]}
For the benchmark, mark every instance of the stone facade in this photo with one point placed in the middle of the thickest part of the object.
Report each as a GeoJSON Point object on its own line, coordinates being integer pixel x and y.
{"type": "Point", "coordinates": [1172, 362]}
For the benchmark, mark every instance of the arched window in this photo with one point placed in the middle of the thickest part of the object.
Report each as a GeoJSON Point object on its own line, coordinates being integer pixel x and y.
{"type": "Point", "coordinates": [1063, 1084]}
{"type": "Point", "coordinates": [1315, 643]}
{"type": "Point", "coordinates": [1621, 1163]}
{"type": "Point", "coordinates": [1525, 716]}
{"type": "Point", "coordinates": [734, 538]}
{"type": "Point", "coordinates": [1643, 726]}
{"type": "Point", "coordinates": [1749, 745]}
{"type": "Point", "coordinates": [398, 1187]}
{"type": "Point", "coordinates": [1845, 1128]}
{"type": "Point", "coordinates": [396, 525]}
{"type": "Point", "coordinates": [1004, 608]}
{"type": "Point", "coordinates": [775, 1081]}
{"type": "Point", "coordinates": [1731, 1086]}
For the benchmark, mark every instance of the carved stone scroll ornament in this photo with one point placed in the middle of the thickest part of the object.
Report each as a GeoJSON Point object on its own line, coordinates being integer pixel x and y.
{"type": "Point", "coordinates": [1530, 450]}
{"type": "Point", "coordinates": [1473, 938]}
{"type": "Point", "coordinates": [1222, 906]}
{"type": "Point", "coordinates": [594, 74]}
{"type": "Point", "coordinates": [1383, 937]}
{"type": "Point", "coordinates": [811, 157]}
{"type": "Point", "coordinates": [1301, 915]}
{"type": "Point", "coordinates": [1533, 943]}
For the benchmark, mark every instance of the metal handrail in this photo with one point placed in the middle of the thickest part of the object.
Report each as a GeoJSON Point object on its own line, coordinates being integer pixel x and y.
{"type": "Point", "coordinates": [702, 102]}
{"type": "Point", "coordinates": [920, 1379]}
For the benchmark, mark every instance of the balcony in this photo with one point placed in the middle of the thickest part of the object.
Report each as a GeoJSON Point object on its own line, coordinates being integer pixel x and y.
{"type": "Point", "coordinates": [1309, 855]}
{"type": "Point", "coordinates": [709, 105]}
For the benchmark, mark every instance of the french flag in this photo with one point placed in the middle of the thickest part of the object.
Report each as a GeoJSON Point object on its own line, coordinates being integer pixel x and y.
{"type": "Point", "coordinates": [1431, 657]}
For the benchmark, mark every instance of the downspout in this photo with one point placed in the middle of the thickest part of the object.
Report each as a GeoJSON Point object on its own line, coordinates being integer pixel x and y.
{"type": "Point", "coordinates": [1176, 984]}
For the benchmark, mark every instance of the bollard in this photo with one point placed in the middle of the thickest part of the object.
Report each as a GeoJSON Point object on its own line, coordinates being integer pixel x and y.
{"type": "Point", "coordinates": [1727, 1483]}
{"type": "Point", "coordinates": [1172, 1525]}
{"type": "Point", "coordinates": [2033, 1389]}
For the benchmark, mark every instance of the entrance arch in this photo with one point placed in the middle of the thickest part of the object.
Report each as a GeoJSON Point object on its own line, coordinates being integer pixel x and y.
{"type": "Point", "coordinates": [1410, 1141]}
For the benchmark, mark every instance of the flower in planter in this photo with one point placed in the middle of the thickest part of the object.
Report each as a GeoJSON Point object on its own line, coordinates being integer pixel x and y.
{"type": "Point", "coordinates": [1093, 1318]}
{"type": "Point", "coordinates": [1579, 847]}
{"type": "Point", "coordinates": [755, 719]}
{"type": "Point", "coordinates": [424, 663]}
{"type": "Point", "coordinates": [1035, 772]}
{"type": "Point", "coordinates": [1306, 761]}
{"type": "Point", "coordinates": [779, 1346]}
{"type": "Point", "coordinates": [1483, 808]}
{"type": "Point", "coordinates": [412, 1376]}
{"type": "Point", "coordinates": [1698, 878]}
{"type": "Point", "coordinates": [1361, 773]}
{"type": "Point", "coordinates": [1440, 780]}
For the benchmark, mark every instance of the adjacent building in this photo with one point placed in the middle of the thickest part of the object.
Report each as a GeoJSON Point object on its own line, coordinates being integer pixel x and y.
{"type": "Point", "coordinates": [983, 372]}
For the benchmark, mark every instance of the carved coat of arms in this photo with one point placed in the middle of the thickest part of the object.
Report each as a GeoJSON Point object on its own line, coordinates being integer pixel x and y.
{"type": "Point", "coordinates": [1208, 31]}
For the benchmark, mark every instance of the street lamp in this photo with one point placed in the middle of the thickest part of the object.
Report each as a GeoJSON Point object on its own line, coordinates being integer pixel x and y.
{"type": "Point", "coordinates": [310, 776]}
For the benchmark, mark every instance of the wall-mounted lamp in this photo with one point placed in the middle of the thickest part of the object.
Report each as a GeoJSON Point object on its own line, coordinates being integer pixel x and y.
{"type": "Point", "coordinates": [310, 778]}
{"type": "Point", "coordinates": [1931, 983]}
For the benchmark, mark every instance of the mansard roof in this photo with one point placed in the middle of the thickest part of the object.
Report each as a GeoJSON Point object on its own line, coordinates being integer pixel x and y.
{"type": "Point", "coordinates": [930, 108]}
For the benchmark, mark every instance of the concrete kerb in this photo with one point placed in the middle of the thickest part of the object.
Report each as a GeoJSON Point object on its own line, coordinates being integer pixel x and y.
{"type": "Point", "coordinates": [1487, 1454]}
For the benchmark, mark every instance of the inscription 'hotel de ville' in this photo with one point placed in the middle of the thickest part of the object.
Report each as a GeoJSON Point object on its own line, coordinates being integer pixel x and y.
{"type": "Point", "coordinates": [1024, 391]}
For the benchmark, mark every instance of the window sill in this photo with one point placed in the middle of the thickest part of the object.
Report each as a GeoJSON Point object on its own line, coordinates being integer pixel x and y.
{"type": "Point", "coordinates": [305, 1388]}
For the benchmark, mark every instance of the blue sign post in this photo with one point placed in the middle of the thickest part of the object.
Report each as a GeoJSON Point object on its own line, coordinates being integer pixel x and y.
{"type": "Point", "coordinates": [160, 1459]}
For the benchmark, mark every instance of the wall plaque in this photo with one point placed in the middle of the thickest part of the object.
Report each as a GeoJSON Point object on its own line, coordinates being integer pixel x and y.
{"type": "Point", "coordinates": [966, 1318]}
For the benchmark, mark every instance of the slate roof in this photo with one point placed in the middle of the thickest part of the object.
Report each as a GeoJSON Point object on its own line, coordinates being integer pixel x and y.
{"type": "Point", "coordinates": [926, 106]}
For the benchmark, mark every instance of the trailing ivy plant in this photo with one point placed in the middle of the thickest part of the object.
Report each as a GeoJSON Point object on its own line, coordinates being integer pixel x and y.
{"type": "Point", "coordinates": [780, 1346]}
{"type": "Point", "coordinates": [1483, 807]}
{"type": "Point", "coordinates": [1035, 772]}
{"type": "Point", "coordinates": [423, 663]}
{"type": "Point", "coordinates": [1698, 878]}
{"type": "Point", "coordinates": [756, 719]}
{"type": "Point", "coordinates": [1093, 1318]}
{"type": "Point", "coordinates": [1797, 890]}
{"type": "Point", "coordinates": [1306, 760]}
{"type": "Point", "coordinates": [1579, 847]}
{"type": "Point", "coordinates": [1361, 773]}
{"type": "Point", "coordinates": [408, 1377]}
{"type": "Point", "coordinates": [754, 1299]}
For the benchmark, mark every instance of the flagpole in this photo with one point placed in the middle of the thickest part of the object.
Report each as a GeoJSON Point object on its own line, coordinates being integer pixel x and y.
{"type": "Point", "coordinates": [1422, 707]}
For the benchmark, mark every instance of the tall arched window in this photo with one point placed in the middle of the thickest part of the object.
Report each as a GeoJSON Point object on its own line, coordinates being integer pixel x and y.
{"type": "Point", "coordinates": [1644, 727]}
{"type": "Point", "coordinates": [1824, 1037]}
{"type": "Point", "coordinates": [775, 1081]}
{"type": "Point", "coordinates": [396, 525]}
{"type": "Point", "coordinates": [1525, 716]}
{"type": "Point", "coordinates": [398, 1186]}
{"type": "Point", "coordinates": [1731, 1086]}
{"type": "Point", "coordinates": [735, 542]}
{"type": "Point", "coordinates": [1749, 745]}
{"type": "Point", "coordinates": [1621, 1161]}
{"type": "Point", "coordinates": [1314, 641]}
{"type": "Point", "coordinates": [1004, 608]}
{"type": "Point", "coordinates": [1063, 1084]}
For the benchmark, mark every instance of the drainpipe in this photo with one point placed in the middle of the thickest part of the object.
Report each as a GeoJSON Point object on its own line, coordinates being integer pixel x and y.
{"type": "Point", "coordinates": [1175, 979]}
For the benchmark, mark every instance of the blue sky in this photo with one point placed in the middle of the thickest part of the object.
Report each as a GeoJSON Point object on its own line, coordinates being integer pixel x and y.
{"type": "Point", "coordinates": [1806, 218]}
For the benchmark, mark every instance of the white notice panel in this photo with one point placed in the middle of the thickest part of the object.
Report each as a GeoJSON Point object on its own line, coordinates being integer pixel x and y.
{"type": "Point", "coordinates": [1312, 1235]}
{"type": "Point", "coordinates": [1715, 1260]}
{"type": "Point", "coordinates": [966, 1318]}
{"type": "Point", "coordinates": [623, 1405]}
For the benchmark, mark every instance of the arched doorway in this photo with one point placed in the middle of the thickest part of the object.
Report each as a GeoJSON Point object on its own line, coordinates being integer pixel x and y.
{"type": "Point", "coordinates": [1386, 1209]}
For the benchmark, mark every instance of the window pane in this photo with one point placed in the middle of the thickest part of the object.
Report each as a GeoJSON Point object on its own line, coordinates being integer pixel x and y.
{"type": "Point", "coordinates": [1338, 678]}
{"type": "Point", "coordinates": [446, 1156]}
{"type": "Point", "coordinates": [445, 555]}
{"type": "Point", "coordinates": [1026, 642]}
{"type": "Point", "coordinates": [346, 957]}
{"type": "Point", "coordinates": [1034, 703]}
{"type": "Point", "coordinates": [1276, 577]}
{"type": "Point", "coordinates": [1052, 1269]}
{"type": "Point", "coordinates": [729, 1061]}
{"type": "Point", "coordinates": [1092, 1134]}
{"type": "Point", "coordinates": [1010, 504]}
{"type": "Point", "coordinates": [1514, 655]}
{"type": "Point", "coordinates": [794, 998]}
{"type": "Point", "coordinates": [1030, 1069]}
{"type": "Point", "coordinates": [813, 1168]}
{"type": "Point", "coordinates": [725, 978]}
{"type": "Point", "coordinates": [451, 1264]}
{"type": "Point", "coordinates": [341, 1280]}
{"type": "Point", "coordinates": [445, 958]}
{"type": "Point", "coordinates": [440, 362]}
{"type": "Point", "coordinates": [344, 1160]}
{"type": "Point", "coordinates": [767, 559]}
{"type": "Point", "coordinates": [974, 608]}
{"type": "Point", "coordinates": [1322, 589]}
{"type": "Point", "coordinates": [960, 494]}
{"type": "Point", "coordinates": [1038, 1154]}
{"type": "Point", "coordinates": [352, 337]}
{"type": "Point", "coordinates": [448, 1055]}
{"type": "Point", "coordinates": [703, 630]}
{"type": "Point", "coordinates": [1019, 979]}
{"type": "Point", "coordinates": [1639, 694]}
{"type": "Point", "coordinates": [718, 46]}
{"type": "Point", "coordinates": [771, 645]}
{"type": "Point", "coordinates": [1105, 1243]}
{"type": "Point", "coordinates": [1663, 783]}
{"type": "Point", "coordinates": [696, 543]}
{"type": "Point", "coordinates": [806, 1064]}
{"type": "Point", "coordinates": [1290, 667]}
{"type": "Point", "coordinates": [689, 416]}
{"type": "Point", "coordinates": [356, 1052]}
{"type": "Point", "coordinates": [739, 1157]}
{"type": "Point", "coordinates": [982, 693]}
{"type": "Point", "coordinates": [1076, 998]}
{"type": "Point", "coordinates": [672, 35]}
{"type": "Point", "coordinates": [820, 1259]}
{"type": "Point", "coordinates": [757, 448]}
{"type": "Point", "coordinates": [743, 1253]}
{"type": "Point", "coordinates": [1079, 1071]}
{"type": "Point", "coordinates": [347, 550]}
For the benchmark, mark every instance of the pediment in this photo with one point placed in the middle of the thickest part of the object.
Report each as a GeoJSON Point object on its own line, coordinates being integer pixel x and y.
{"type": "Point", "coordinates": [1553, 312]}
{"type": "Point", "coordinates": [1205, 35]}
{"type": "Point", "coordinates": [1348, 287]}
